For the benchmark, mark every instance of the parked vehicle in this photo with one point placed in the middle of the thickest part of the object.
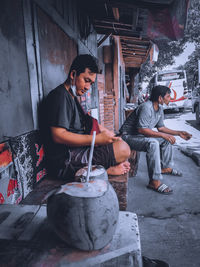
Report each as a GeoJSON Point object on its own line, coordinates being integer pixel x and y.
{"type": "Point", "coordinates": [176, 80]}
{"type": "Point", "coordinates": [196, 94]}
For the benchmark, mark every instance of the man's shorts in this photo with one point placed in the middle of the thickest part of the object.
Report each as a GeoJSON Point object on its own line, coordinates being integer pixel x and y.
{"type": "Point", "coordinates": [79, 157]}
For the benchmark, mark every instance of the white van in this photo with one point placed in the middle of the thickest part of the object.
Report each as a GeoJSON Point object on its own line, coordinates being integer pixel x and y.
{"type": "Point", "coordinates": [176, 80]}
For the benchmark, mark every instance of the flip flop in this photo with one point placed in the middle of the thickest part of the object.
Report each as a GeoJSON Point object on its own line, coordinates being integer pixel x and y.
{"type": "Point", "coordinates": [173, 172]}
{"type": "Point", "coordinates": [161, 189]}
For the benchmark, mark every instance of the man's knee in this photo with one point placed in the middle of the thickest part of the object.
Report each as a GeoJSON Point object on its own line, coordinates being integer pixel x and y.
{"type": "Point", "coordinates": [125, 149]}
{"type": "Point", "coordinates": [122, 150]}
{"type": "Point", "coordinates": [165, 143]}
{"type": "Point", "coordinates": [153, 145]}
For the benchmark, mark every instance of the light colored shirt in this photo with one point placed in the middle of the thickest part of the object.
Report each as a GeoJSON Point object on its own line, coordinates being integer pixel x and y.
{"type": "Point", "coordinates": [144, 116]}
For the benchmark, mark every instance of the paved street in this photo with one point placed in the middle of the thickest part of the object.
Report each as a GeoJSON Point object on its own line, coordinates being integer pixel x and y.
{"type": "Point", "coordinates": [169, 224]}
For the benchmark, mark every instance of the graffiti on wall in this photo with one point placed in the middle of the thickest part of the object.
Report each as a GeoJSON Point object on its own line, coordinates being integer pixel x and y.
{"type": "Point", "coordinates": [30, 153]}
{"type": "Point", "coordinates": [21, 167]}
{"type": "Point", "coordinates": [10, 188]}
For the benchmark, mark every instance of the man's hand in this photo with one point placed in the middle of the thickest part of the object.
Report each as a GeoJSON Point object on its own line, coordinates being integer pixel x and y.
{"type": "Point", "coordinates": [169, 138]}
{"type": "Point", "coordinates": [106, 137]}
{"type": "Point", "coordinates": [104, 129]}
{"type": "Point", "coordinates": [184, 135]}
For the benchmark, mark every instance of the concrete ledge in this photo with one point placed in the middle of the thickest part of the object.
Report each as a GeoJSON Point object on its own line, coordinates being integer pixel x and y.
{"type": "Point", "coordinates": [192, 153]}
{"type": "Point", "coordinates": [25, 230]}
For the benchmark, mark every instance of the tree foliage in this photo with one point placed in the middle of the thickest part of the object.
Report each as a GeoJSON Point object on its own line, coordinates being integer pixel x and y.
{"type": "Point", "coordinates": [191, 66]}
{"type": "Point", "coordinates": [192, 32]}
{"type": "Point", "coordinates": [168, 51]}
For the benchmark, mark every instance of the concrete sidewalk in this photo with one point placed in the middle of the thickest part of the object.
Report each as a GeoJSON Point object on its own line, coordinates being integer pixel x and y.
{"type": "Point", "coordinates": [169, 224]}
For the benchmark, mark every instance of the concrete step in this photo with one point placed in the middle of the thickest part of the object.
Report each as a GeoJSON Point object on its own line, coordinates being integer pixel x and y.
{"type": "Point", "coordinates": [24, 231]}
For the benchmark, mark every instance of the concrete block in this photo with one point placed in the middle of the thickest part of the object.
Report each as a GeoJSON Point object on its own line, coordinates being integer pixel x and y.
{"type": "Point", "coordinates": [34, 243]}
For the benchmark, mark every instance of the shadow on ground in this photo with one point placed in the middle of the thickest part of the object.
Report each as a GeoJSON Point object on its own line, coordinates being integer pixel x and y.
{"type": "Point", "coordinates": [169, 224]}
{"type": "Point", "coordinates": [194, 124]}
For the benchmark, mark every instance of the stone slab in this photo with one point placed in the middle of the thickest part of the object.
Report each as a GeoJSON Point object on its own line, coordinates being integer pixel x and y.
{"type": "Point", "coordinates": [37, 245]}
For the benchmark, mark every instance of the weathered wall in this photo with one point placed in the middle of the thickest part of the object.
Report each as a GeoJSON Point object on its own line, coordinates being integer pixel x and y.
{"type": "Point", "coordinates": [15, 100]}
{"type": "Point", "coordinates": [57, 52]}
{"type": "Point", "coordinates": [38, 41]}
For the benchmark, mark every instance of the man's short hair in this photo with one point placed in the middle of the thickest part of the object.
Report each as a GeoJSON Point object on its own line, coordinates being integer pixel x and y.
{"type": "Point", "coordinates": [81, 62]}
{"type": "Point", "coordinates": [159, 90]}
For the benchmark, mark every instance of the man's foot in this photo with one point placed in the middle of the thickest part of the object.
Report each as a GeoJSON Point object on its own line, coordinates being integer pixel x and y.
{"type": "Point", "coordinates": [171, 171]}
{"type": "Point", "coordinates": [158, 187]}
{"type": "Point", "coordinates": [119, 169]}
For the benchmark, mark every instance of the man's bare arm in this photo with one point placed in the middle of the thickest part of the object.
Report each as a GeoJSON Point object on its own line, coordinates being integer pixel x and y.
{"type": "Point", "coordinates": [62, 136]}
{"type": "Point", "coordinates": [151, 133]}
{"type": "Point", "coordinates": [168, 131]}
{"type": "Point", "coordinates": [182, 134]}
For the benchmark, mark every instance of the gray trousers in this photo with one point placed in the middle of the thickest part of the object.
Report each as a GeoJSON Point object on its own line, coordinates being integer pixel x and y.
{"type": "Point", "coordinates": [158, 153]}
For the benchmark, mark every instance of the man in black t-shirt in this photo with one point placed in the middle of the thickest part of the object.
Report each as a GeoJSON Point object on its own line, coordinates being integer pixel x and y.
{"type": "Point", "coordinates": [67, 144]}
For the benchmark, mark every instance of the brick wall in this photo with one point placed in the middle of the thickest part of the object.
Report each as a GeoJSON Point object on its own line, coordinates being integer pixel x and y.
{"type": "Point", "coordinates": [109, 112]}
{"type": "Point", "coordinates": [106, 105]}
{"type": "Point", "coordinates": [101, 90]}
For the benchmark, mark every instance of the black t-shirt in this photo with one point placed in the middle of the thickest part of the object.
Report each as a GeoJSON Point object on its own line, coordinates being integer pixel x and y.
{"type": "Point", "coordinates": [60, 111]}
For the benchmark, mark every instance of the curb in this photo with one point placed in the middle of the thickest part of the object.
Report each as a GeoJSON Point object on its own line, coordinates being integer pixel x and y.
{"type": "Point", "coordinates": [194, 154]}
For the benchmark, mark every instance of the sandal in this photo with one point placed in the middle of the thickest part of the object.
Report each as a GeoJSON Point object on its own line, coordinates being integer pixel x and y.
{"type": "Point", "coordinates": [161, 189]}
{"type": "Point", "coordinates": [173, 172]}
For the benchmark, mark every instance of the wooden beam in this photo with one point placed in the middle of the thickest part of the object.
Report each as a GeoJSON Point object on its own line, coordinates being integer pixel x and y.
{"type": "Point", "coordinates": [136, 46]}
{"type": "Point", "coordinates": [131, 53]}
{"type": "Point", "coordinates": [133, 65]}
{"type": "Point", "coordinates": [111, 22]}
{"type": "Point", "coordinates": [135, 60]}
{"type": "Point", "coordinates": [117, 32]}
{"type": "Point", "coordinates": [114, 27]}
{"type": "Point", "coordinates": [130, 59]}
{"type": "Point", "coordinates": [134, 38]}
{"type": "Point", "coordinates": [148, 51]}
{"type": "Point", "coordinates": [135, 18]}
{"type": "Point", "coordinates": [134, 41]}
{"type": "Point", "coordinates": [116, 13]}
{"type": "Point", "coordinates": [134, 49]}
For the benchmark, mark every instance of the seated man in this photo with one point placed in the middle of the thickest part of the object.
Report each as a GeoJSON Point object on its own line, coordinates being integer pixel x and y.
{"type": "Point", "coordinates": [138, 132]}
{"type": "Point", "coordinates": [67, 144]}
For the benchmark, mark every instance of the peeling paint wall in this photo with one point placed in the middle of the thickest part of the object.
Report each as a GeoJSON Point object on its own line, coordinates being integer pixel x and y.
{"type": "Point", "coordinates": [57, 52]}
{"type": "Point", "coordinates": [15, 100]}
{"type": "Point", "coordinates": [38, 41]}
